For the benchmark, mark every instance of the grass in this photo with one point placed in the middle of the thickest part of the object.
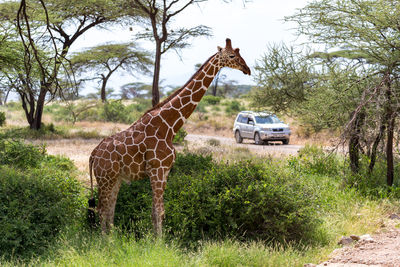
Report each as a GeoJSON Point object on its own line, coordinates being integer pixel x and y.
{"type": "Point", "coordinates": [120, 250]}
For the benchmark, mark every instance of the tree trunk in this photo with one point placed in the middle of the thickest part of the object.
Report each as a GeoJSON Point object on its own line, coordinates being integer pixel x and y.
{"type": "Point", "coordinates": [354, 142]}
{"type": "Point", "coordinates": [103, 89]}
{"type": "Point", "coordinates": [156, 78]}
{"type": "Point", "coordinates": [37, 122]}
{"type": "Point", "coordinates": [389, 152]}
{"type": "Point", "coordinates": [390, 119]}
{"type": "Point", "coordinates": [103, 92]}
{"type": "Point", "coordinates": [375, 147]}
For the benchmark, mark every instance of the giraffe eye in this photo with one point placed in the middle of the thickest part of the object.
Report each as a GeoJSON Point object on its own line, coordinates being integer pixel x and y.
{"type": "Point", "coordinates": [232, 56]}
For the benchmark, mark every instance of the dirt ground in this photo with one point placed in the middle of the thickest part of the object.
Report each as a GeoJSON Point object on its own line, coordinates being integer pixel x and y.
{"type": "Point", "coordinates": [383, 250]}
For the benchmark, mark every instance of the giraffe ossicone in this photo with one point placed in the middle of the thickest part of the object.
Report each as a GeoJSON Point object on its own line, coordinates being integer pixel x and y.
{"type": "Point", "coordinates": [145, 149]}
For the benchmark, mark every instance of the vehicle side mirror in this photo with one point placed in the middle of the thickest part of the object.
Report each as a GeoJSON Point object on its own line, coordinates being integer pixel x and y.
{"type": "Point", "coordinates": [251, 122]}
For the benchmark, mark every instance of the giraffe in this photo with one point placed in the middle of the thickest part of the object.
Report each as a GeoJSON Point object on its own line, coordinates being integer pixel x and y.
{"type": "Point", "coordinates": [145, 149]}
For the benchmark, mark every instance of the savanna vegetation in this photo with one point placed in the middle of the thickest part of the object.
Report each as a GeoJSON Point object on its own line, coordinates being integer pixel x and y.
{"type": "Point", "coordinates": [222, 209]}
{"type": "Point", "coordinates": [259, 212]}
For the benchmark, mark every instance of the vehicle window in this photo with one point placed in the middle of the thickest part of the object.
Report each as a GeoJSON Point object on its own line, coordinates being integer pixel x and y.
{"type": "Point", "coordinates": [244, 120]}
{"type": "Point", "coordinates": [240, 117]}
{"type": "Point", "coordinates": [250, 119]}
{"type": "Point", "coordinates": [267, 119]}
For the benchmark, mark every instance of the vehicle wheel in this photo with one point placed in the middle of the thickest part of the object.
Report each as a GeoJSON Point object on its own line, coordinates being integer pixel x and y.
{"type": "Point", "coordinates": [285, 141]}
{"type": "Point", "coordinates": [238, 138]}
{"type": "Point", "coordinates": [257, 139]}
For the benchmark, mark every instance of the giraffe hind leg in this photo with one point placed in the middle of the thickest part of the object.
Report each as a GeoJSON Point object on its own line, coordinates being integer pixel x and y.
{"type": "Point", "coordinates": [107, 201]}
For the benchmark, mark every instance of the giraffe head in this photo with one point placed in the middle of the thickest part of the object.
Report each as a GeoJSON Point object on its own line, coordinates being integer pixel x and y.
{"type": "Point", "coordinates": [229, 57]}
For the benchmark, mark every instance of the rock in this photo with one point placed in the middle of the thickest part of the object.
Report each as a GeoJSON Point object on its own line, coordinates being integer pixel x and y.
{"type": "Point", "coordinates": [394, 216]}
{"type": "Point", "coordinates": [355, 237]}
{"type": "Point", "coordinates": [345, 240]}
{"type": "Point", "coordinates": [366, 238]}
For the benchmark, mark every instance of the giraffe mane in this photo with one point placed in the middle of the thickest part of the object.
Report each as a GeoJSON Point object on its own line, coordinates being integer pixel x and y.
{"type": "Point", "coordinates": [166, 100]}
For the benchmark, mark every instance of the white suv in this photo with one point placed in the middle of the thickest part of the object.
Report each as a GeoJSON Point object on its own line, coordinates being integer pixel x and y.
{"type": "Point", "coordinates": [260, 126]}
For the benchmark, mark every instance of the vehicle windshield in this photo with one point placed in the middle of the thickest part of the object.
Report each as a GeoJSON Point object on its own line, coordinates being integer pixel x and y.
{"type": "Point", "coordinates": [267, 119]}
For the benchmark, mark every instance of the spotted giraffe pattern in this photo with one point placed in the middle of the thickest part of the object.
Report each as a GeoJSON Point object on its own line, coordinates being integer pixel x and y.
{"type": "Point", "coordinates": [145, 149]}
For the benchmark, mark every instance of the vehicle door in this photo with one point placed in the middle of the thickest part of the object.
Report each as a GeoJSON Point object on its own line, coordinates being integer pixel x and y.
{"type": "Point", "coordinates": [250, 127]}
{"type": "Point", "coordinates": [243, 126]}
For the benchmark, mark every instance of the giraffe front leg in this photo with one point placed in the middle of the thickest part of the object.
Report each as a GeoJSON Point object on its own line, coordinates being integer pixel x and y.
{"type": "Point", "coordinates": [158, 183]}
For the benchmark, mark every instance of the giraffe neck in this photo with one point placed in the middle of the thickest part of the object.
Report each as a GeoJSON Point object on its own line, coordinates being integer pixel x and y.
{"type": "Point", "coordinates": [182, 105]}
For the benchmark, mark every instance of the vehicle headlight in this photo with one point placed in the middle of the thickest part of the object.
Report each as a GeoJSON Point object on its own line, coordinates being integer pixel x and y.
{"type": "Point", "coordinates": [267, 129]}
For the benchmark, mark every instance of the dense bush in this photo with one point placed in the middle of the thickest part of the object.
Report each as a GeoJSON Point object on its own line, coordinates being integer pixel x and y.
{"type": "Point", "coordinates": [314, 160]}
{"type": "Point", "coordinates": [114, 111]}
{"type": "Point", "coordinates": [211, 100]}
{"type": "Point", "coordinates": [233, 107]}
{"type": "Point", "coordinates": [2, 118]}
{"type": "Point", "coordinates": [373, 184]}
{"type": "Point", "coordinates": [208, 200]}
{"type": "Point", "coordinates": [20, 155]}
{"type": "Point", "coordinates": [37, 200]}
{"type": "Point", "coordinates": [179, 138]}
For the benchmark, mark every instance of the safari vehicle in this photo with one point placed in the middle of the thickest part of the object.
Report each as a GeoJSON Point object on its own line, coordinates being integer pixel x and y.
{"type": "Point", "coordinates": [260, 126]}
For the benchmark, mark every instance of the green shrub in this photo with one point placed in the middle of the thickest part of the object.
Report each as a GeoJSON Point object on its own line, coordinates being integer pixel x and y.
{"type": "Point", "coordinates": [114, 111]}
{"type": "Point", "coordinates": [2, 118]}
{"type": "Point", "coordinates": [179, 138]}
{"type": "Point", "coordinates": [201, 107]}
{"type": "Point", "coordinates": [373, 184]}
{"type": "Point", "coordinates": [233, 107]}
{"type": "Point", "coordinates": [211, 100]}
{"type": "Point", "coordinates": [208, 200]}
{"type": "Point", "coordinates": [313, 160]}
{"type": "Point", "coordinates": [191, 163]}
{"type": "Point", "coordinates": [36, 201]}
{"type": "Point", "coordinates": [20, 155]}
{"type": "Point", "coordinates": [46, 131]}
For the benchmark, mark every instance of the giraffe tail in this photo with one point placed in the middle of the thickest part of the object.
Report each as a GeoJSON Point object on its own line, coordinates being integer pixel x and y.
{"type": "Point", "coordinates": [91, 216]}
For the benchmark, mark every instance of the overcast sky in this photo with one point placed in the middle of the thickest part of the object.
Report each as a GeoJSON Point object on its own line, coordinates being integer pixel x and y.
{"type": "Point", "coordinates": [251, 28]}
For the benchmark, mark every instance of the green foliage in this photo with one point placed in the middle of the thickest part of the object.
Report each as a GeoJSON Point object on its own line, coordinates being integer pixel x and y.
{"type": "Point", "coordinates": [212, 100]}
{"type": "Point", "coordinates": [18, 154]}
{"type": "Point", "coordinates": [314, 160]}
{"type": "Point", "coordinates": [114, 111]}
{"type": "Point", "coordinates": [233, 107]}
{"type": "Point", "coordinates": [208, 200]}
{"type": "Point", "coordinates": [201, 107]}
{"type": "Point", "coordinates": [36, 201]}
{"type": "Point", "coordinates": [47, 131]}
{"type": "Point", "coordinates": [373, 184]}
{"type": "Point", "coordinates": [2, 118]}
{"type": "Point", "coordinates": [179, 138]}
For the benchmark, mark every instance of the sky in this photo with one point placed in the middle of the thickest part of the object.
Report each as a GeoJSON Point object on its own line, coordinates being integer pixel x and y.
{"type": "Point", "coordinates": [251, 27]}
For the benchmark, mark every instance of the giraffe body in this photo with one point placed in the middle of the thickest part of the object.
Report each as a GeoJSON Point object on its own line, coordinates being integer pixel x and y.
{"type": "Point", "coordinates": [145, 149]}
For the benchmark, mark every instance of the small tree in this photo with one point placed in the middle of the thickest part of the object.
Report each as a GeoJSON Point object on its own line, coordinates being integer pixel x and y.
{"type": "Point", "coordinates": [106, 59]}
{"type": "Point", "coordinates": [159, 15]}
{"type": "Point", "coordinates": [47, 31]}
{"type": "Point", "coordinates": [370, 34]}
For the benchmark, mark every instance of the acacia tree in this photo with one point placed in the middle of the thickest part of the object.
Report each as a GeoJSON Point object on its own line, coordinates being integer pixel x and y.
{"type": "Point", "coordinates": [370, 33]}
{"type": "Point", "coordinates": [106, 59]}
{"type": "Point", "coordinates": [159, 15]}
{"type": "Point", "coordinates": [47, 31]}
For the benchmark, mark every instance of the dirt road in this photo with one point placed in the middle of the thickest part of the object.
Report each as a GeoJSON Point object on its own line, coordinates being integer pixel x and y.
{"type": "Point", "coordinates": [272, 148]}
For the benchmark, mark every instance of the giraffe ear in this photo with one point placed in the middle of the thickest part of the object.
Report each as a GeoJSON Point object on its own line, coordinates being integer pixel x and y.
{"type": "Point", "coordinates": [237, 50]}
{"type": "Point", "coordinates": [219, 48]}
